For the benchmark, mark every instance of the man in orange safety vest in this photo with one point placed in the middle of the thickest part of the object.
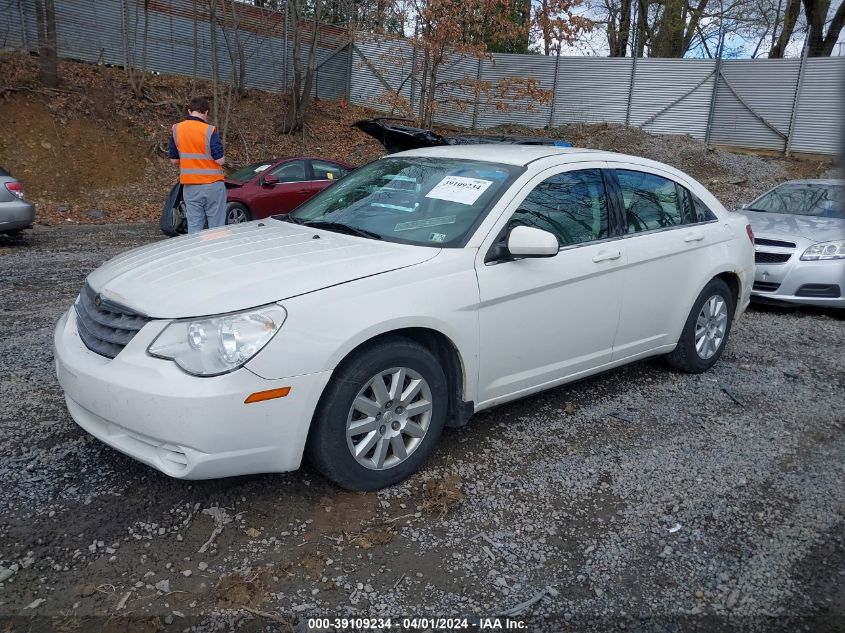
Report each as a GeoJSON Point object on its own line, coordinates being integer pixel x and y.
{"type": "Point", "coordinates": [196, 148]}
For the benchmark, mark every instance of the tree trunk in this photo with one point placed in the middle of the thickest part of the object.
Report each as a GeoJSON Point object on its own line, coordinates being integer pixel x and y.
{"type": "Point", "coordinates": [643, 33]}
{"type": "Point", "coordinates": [137, 80]}
{"type": "Point", "coordinates": [669, 30]}
{"type": "Point", "coordinates": [299, 99]}
{"type": "Point", "coordinates": [45, 15]}
{"type": "Point", "coordinates": [819, 44]}
{"type": "Point", "coordinates": [215, 66]}
{"type": "Point", "coordinates": [618, 36]}
{"type": "Point", "coordinates": [790, 17]}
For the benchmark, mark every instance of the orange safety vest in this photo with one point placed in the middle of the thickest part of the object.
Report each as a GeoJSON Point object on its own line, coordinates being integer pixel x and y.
{"type": "Point", "coordinates": [196, 164]}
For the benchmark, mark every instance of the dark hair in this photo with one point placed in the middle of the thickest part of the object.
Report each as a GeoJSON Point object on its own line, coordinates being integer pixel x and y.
{"type": "Point", "coordinates": [198, 104]}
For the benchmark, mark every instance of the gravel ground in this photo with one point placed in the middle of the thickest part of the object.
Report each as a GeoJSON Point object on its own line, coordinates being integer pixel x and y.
{"type": "Point", "coordinates": [641, 499]}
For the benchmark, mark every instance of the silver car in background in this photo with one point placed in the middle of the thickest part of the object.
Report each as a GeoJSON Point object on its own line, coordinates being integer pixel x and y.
{"type": "Point", "coordinates": [799, 243]}
{"type": "Point", "coordinates": [16, 212]}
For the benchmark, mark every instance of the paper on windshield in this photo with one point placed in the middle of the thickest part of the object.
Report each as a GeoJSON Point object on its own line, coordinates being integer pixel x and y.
{"type": "Point", "coordinates": [261, 168]}
{"type": "Point", "coordinates": [459, 189]}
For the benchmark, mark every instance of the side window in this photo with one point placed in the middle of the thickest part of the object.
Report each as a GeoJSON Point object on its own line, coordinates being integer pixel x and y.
{"type": "Point", "coordinates": [702, 212]}
{"type": "Point", "coordinates": [695, 210]}
{"type": "Point", "coordinates": [293, 171]}
{"type": "Point", "coordinates": [571, 205]}
{"type": "Point", "coordinates": [327, 171]}
{"type": "Point", "coordinates": [651, 202]}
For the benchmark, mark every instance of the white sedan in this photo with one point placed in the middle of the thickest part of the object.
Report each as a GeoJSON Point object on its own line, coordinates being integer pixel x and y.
{"type": "Point", "coordinates": [420, 289]}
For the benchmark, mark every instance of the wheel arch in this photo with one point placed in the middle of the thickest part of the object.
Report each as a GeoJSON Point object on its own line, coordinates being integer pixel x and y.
{"type": "Point", "coordinates": [447, 353]}
{"type": "Point", "coordinates": [733, 282]}
{"type": "Point", "coordinates": [240, 202]}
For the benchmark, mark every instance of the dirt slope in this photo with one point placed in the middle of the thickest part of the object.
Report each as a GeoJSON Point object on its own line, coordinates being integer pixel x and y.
{"type": "Point", "coordinates": [91, 152]}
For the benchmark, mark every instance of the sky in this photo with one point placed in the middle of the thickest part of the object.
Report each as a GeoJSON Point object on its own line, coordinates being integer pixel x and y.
{"type": "Point", "coordinates": [595, 43]}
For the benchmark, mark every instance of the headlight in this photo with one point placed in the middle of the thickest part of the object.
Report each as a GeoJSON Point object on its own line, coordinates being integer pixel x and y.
{"type": "Point", "coordinates": [216, 345]}
{"type": "Point", "coordinates": [825, 250]}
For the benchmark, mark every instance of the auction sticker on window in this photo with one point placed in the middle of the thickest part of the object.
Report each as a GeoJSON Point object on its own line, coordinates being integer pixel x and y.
{"type": "Point", "coordinates": [459, 189]}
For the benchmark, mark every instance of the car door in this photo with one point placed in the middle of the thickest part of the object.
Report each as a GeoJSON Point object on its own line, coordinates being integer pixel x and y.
{"type": "Point", "coordinates": [325, 173]}
{"type": "Point", "coordinates": [667, 247]}
{"type": "Point", "coordinates": [291, 190]}
{"type": "Point", "coordinates": [545, 319]}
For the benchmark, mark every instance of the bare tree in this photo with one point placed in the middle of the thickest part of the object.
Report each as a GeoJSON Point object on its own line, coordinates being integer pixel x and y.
{"type": "Point", "coordinates": [790, 18]}
{"type": "Point", "coordinates": [819, 43]}
{"type": "Point", "coordinates": [618, 26]}
{"type": "Point", "coordinates": [675, 27]}
{"type": "Point", "coordinates": [302, 44]}
{"type": "Point", "coordinates": [45, 15]}
{"type": "Point", "coordinates": [136, 75]}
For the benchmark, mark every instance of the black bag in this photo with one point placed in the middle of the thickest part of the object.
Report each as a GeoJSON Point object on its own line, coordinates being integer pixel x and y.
{"type": "Point", "coordinates": [173, 219]}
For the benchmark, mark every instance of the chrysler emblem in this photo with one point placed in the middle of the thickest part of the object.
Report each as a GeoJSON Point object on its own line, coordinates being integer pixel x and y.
{"type": "Point", "coordinates": [98, 301]}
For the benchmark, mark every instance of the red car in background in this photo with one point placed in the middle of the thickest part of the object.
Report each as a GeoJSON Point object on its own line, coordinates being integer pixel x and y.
{"type": "Point", "coordinates": [260, 190]}
{"type": "Point", "coordinates": [278, 186]}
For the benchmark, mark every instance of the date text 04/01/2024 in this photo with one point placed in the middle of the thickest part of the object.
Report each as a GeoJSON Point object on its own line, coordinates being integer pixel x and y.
{"type": "Point", "coordinates": [415, 624]}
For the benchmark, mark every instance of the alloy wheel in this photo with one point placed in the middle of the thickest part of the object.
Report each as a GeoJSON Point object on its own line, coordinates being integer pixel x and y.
{"type": "Point", "coordinates": [711, 326]}
{"type": "Point", "coordinates": [236, 215]}
{"type": "Point", "coordinates": [389, 418]}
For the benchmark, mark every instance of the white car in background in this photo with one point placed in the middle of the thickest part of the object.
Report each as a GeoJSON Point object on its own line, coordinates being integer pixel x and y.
{"type": "Point", "coordinates": [354, 329]}
{"type": "Point", "coordinates": [799, 236]}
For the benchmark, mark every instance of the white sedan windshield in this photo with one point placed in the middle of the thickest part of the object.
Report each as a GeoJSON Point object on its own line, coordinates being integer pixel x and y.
{"type": "Point", "coordinates": [416, 200]}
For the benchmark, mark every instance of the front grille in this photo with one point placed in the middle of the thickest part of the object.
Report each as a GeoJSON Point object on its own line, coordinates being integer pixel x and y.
{"type": "Point", "coordinates": [765, 286]}
{"type": "Point", "coordinates": [771, 258]}
{"type": "Point", "coordinates": [825, 291]}
{"type": "Point", "coordinates": [105, 327]}
{"type": "Point", "coordinates": [763, 241]}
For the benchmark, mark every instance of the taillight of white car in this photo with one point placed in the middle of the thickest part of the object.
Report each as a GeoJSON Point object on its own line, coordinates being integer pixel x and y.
{"type": "Point", "coordinates": [750, 233]}
{"type": "Point", "coordinates": [15, 188]}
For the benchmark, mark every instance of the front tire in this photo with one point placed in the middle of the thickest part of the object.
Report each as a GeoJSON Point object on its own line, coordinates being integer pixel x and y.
{"type": "Point", "coordinates": [236, 213]}
{"type": "Point", "coordinates": [706, 330]}
{"type": "Point", "coordinates": [380, 416]}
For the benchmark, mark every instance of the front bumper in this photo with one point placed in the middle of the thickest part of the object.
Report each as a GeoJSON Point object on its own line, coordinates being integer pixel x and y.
{"type": "Point", "coordinates": [786, 283]}
{"type": "Point", "coordinates": [16, 215]}
{"type": "Point", "coordinates": [186, 427]}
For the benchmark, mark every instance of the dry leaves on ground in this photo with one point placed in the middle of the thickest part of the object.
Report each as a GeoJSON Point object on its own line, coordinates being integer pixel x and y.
{"type": "Point", "coordinates": [441, 494]}
{"type": "Point", "coordinates": [238, 590]}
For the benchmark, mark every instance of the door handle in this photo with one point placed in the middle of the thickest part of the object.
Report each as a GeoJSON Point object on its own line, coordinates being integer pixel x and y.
{"type": "Point", "coordinates": [694, 237]}
{"type": "Point", "coordinates": [304, 191]}
{"type": "Point", "coordinates": [602, 256]}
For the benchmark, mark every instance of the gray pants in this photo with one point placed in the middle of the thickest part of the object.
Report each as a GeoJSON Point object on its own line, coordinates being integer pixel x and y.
{"type": "Point", "coordinates": [205, 205]}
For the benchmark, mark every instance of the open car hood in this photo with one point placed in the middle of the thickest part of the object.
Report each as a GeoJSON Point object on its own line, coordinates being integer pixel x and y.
{"type": "Point", "coordinates": [396, 136]}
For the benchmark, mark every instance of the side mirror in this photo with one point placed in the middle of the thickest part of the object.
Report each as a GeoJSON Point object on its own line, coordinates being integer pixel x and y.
{"type": "Point", "coordinates": [270, 179]}
{"type": "Point", "coordinates": [527, 241]}
{"type": "Point", "coordinates": [741, 207]}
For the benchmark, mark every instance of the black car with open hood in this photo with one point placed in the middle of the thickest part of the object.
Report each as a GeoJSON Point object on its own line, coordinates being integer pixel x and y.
{"type": "Point", "coordinates": [397, 136]}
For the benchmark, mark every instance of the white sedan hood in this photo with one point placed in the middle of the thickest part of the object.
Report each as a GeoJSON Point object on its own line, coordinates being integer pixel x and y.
{"type": "Point", "coordinates": [239, 267]}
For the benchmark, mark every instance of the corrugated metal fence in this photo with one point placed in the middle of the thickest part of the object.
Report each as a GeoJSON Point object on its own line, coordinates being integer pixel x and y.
{"type": "Point", "coordinates": [755, 104]}
{"type": "Point", "coordinates": [179, 39]}
{"type": "Point", "coordinates": [783, 105]}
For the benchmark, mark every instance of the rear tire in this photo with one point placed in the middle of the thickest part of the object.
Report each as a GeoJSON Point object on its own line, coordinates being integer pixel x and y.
{"type": "Point", "coordinates": [706, 330]}
{"type": "Point", "coordinates": [380, 415]}
{"type": "Point", "coordinates": [236, 213]}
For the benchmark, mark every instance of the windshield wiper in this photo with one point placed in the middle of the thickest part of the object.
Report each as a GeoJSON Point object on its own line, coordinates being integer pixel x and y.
{"type": "Point", "coordinates": [286, 217]}
{"type": "Point", "coordinates": [342, 228]}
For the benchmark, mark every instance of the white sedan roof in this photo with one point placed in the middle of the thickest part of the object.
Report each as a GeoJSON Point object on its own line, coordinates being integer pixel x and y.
{"type": "Point", "coordinates": [521, 154]}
